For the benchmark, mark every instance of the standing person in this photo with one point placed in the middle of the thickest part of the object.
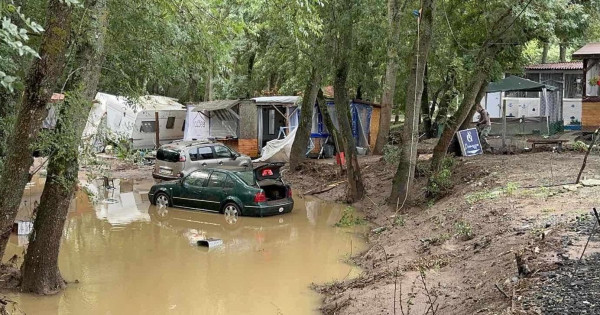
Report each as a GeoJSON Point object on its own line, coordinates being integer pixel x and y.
{"type": "Point", "coordinates": [484, 126]}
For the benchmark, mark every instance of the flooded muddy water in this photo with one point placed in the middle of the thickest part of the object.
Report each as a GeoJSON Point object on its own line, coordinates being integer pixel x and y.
{"type": "Point", "coordinates": [131, 258]}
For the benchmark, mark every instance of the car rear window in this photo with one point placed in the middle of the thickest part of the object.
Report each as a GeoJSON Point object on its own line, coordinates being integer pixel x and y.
{"type": "Point", "coordinates": [247, 177]}
{"type": "Point", "coordinates": [167, 155]}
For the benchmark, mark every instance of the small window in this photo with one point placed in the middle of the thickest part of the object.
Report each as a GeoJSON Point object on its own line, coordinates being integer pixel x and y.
{"type": "Point", "coordinates": [271, 121]}
{"type": "Point", "coordinates": [222, 152]}
{"type": "Point", "coordinates": [148, 126]}
{"type": "Point", "coordinates": [193, 154]}
{"type": "Point", "coordinates": [217, 179]}
{"type": "Point", "coordinates": [183, 126]}
{"type": "Point", "coordinates": [205, 153]}
{"type": "Point", "coordinates": [197, 179]}
{"type": "Point", "coordinates": [229, 183]}
{"type": "Point", "coordinates": [170, 122]}
{"type": "Point", "coordinates": [167, 155]}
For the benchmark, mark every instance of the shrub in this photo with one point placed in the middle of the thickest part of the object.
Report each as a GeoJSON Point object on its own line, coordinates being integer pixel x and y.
{"type": "Point", "coordinates": [349, 218]}
{"type": "Point", "coordinates": [391, 154]}
{"type": "Point", "coordinates": [464, 230]}
{"type": "Point", "coordinates": [580, 146]}
{"type": "Point", "coordinates": [439, 184]}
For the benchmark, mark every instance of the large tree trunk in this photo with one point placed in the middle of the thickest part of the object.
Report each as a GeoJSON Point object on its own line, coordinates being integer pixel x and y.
{"type": "Point", "coordinates": [439, 151]}
{"type": "Point", "coordinates": [468, 123]}
{"type": "Point", "coordinates": [41, 81]}
{"type": "Point", "coordinates": [563, 52]}
{"type": "Point", "coordinates": [546, 48]}
{"type": "Point", "coordinates": [208, 84]}
{"type": "Point", "coordinates": [343, 48]}
{"type": "Point", "coordinates": [391, 71]}
{"type": "Point", "coordinates": [40, 268]}
{"type": "Point", "coordinates": [298, 151]}
{"type": "Point", "coordinates": [322, 103]}
{"type": "Point", "coordinates": [410, 134]}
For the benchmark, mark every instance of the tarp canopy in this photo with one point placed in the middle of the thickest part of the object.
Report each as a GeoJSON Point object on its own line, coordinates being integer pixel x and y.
{"type": "Point", "coordinates": [514, 83]}
{"type": "Point", "coordinates": [215, 105]}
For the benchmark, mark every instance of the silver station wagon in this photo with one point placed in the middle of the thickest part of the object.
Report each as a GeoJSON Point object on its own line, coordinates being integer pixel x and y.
{"type": "Point", "coordinates": [174, 159]}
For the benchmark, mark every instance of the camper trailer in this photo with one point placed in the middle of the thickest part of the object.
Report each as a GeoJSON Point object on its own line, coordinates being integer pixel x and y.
{"type": "Point", "coordinates": [117, 118]}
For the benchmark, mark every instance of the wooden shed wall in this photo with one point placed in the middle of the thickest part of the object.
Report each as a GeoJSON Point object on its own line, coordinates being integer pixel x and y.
{"type": "Point", "coordinates": [590, 115]}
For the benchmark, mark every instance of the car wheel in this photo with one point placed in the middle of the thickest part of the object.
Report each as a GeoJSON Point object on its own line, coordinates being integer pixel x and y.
{"type": "Point", "coordinates": [231, 211]}
{"type": "Point", "coordinates": [162, 200]}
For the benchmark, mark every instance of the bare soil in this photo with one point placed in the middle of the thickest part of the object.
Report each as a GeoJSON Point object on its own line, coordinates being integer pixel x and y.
{"type": "Point", "coordinates": [457, 255]}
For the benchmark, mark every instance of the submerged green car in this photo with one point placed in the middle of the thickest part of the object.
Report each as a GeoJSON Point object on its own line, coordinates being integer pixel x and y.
{"type": "Point", "coordinates": [231, 191]}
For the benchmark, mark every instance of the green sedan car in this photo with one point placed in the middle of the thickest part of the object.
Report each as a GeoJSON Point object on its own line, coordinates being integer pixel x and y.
{"type": "Point", "coordinates": [232, 191]}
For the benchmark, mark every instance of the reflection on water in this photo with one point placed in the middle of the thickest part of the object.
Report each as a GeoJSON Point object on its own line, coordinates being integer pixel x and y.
{"type": "Point", "coordinates": [131, 258]}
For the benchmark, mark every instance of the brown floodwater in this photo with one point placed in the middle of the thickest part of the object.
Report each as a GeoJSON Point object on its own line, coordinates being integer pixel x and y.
{"type": "Point", "coordinates": [131, 258]}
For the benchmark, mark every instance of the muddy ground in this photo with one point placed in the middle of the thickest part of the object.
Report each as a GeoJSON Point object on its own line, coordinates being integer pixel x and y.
{"type": "Point", "coordinates": [457, 255]}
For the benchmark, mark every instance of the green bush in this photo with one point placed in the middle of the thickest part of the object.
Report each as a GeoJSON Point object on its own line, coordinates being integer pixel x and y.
{"type": "Point", "coordinates": [464, 231]}
{"type": "Point", "coordinates": [349, 218]}
{"type": "Point", "coordinates": [391, 154]}
{"type": "Point", "coordinates": [439, 184]}
{"type": "Point", "coordinates": [580, 146]}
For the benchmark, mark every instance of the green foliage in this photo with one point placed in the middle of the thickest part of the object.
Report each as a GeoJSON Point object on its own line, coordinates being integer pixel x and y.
{"type": "Point", "coordinates": [391, 154]}
{"type": "Point", "coordinates": [480, 195]}
{"type": "Point", "coordinates": [580, 146]}
{"type": "Point", "coordinates": [349, 218]}
{"type": "Point", "coordinates": [439, 184]}
{"type": "Point", "coordinates": [511, 188]}
{"type": "Point", "coordinates": [464, 231]}
{"type": "Point", "coordinates": [399, 220]}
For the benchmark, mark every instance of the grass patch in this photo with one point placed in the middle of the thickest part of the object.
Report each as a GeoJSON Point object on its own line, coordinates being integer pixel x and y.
{"type": "Point", "coordinates": [464, 231]}
{"type": "Point", "coordinates": [349, 218]}
{"type": "Point", "coordinates": [481, 195]}
{"type": "Point", "coordinates": [399, 220]}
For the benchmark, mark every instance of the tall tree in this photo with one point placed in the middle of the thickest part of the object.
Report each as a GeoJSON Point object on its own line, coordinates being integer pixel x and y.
{"type": "Point", "coordinates": [410, 134]}
{"type": "Point", "coordinates": [309, 98]}
{"type": "Point", "coordinates": [40, 268]}
{"type": "Point", "coordinates": [391, 71]}
{"type": "Point", "coordinates": [41, 80]}
{"type": "Point", "coordinates": [343, 13]}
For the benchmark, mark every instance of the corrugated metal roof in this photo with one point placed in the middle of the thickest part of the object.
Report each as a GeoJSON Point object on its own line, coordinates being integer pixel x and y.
{"type": "Point", "coordinates": [277, 99]}
{"type": "Point", "coordinates": [590, 49]}
{"type": "Point", "coordinates": [215, 105]}
{"type": "Point", "coordinates": [574, 65]}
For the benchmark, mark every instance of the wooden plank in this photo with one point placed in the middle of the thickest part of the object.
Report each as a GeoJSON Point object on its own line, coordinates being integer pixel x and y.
{"type": "Point", "coordinates": [590, 115]}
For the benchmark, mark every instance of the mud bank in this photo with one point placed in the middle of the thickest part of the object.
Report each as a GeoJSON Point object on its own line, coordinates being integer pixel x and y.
{"type": "Point", "coordinates": [465, 243]}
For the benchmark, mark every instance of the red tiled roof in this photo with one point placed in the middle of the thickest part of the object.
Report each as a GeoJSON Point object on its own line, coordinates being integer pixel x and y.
{"type": "Point", "coordinates": [591, 49]}
{"type": "Point", "coordinates": [575, 65]}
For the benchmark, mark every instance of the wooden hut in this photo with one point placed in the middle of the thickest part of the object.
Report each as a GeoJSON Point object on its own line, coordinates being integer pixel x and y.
{"type": "Point", "coordinates": [590, 109]}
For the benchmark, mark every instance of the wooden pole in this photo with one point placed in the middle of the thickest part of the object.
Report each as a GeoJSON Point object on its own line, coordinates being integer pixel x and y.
{"type": "Point", "coordinates": [156, 125]}
{"type": "Point", "coordinates": [504, 124]}
{"type": "Point", "coordinates": [594, 138]}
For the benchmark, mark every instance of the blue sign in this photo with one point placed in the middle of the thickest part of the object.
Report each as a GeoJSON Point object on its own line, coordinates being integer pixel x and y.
{"type": "Point", "coordinates": [469, 142]}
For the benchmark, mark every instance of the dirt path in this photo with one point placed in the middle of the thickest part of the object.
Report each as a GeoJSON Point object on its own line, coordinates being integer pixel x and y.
{"type": "Point", "coordinates": [465, 243]}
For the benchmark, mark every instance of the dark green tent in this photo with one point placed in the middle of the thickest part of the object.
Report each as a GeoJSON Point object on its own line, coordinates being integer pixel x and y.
{"type": "Point", "coordinates": [514, 83]}
{"type": "Point", "coordinates": [511, 84]}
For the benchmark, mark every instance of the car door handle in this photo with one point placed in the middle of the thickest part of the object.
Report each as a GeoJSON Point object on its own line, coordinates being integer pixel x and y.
{"type": "Point", "coordinates": [220, 162]}
{"type": "Point", "coordinates": [204, 164]}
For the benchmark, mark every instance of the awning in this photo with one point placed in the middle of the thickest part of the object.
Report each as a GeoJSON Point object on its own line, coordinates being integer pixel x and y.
{"type": "Point", "coordinates": [284, 100]}
{"type": "Point", "coordinates": [215, 105]}
{"type": "Point", "coordinates": [514, 83]}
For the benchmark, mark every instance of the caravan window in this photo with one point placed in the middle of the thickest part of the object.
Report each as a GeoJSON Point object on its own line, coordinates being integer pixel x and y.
{"type": "Point", "coordinates": [170, 122]}
{"type": "Point", "coordinates": [148, 126]}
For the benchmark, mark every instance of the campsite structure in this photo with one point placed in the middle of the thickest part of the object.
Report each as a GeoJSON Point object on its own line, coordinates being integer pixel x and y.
{"type": "Point", "coordinates": [248, 125]}
{"type": "Point", "coordinates": [117, 118]}
{"type": "Point", "coordinates": [590, 113]}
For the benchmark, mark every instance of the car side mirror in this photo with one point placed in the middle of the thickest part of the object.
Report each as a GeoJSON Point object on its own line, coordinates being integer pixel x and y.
{"type": "Point", "coordinates": [233, 156]}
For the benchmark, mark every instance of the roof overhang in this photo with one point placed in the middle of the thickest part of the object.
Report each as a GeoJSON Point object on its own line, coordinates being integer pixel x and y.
{"type": "Point", "coordinates": [215, 105]}
{"type": "Point", "coordinates": [589, 51]}
{"type": "Point", "coordinates": [514, 83]}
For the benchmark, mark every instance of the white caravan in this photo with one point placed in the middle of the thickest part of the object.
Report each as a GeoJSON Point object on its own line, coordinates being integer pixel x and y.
{"type": "Point", "coordinates": [118, 118]}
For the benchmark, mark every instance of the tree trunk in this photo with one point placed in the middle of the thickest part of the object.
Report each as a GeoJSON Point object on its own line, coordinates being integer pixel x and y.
{"type": "Point", "coordinates": [251, 60]}
{"type": "Point", "coordinates": [41, 80]}
{"type": "Point", "coordinates": [208, 85]}
{"type": "Point", "coordinates": [410, 134]}
{"type": "Point", "coordinates": [298, 151]}
{"type": "Point", "coordinates": [391, 71]}
{"type": "Point", "coordinates": [343, 47]}
{"type": "Point", "coordinates": [468, 123]}
{"type": "Point", "coordinates": [40, 268]}
{"type": "Point", "coordinates": [439, 151]}
{"type": "Point", "coordinates": [545, 50]}
{"type": "Point", "coordinates": [322, 103]}
{"type": "Point", "coordinates": [563, 52]}
{"type": "Point", "coordinates": [425, 113]}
